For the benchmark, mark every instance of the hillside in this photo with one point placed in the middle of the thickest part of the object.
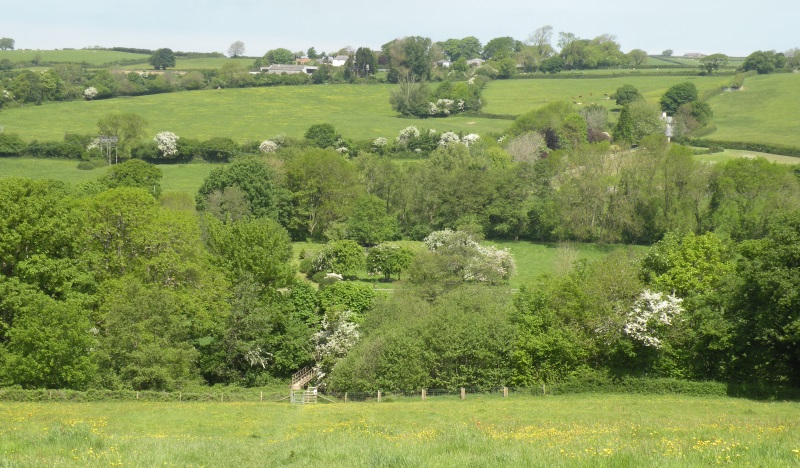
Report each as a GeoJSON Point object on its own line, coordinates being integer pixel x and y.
{"type": "Point", "coordinates": [360, 112]}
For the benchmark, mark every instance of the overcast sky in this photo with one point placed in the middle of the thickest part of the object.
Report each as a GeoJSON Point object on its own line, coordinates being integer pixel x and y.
{"type": "Point", "coordinates": [732, 27]}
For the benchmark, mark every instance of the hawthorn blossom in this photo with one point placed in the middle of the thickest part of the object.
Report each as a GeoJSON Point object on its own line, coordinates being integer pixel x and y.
{"type": "Point", "coordinates": [471, 138]}
{"type": "Point", "coordinates": [409, 133]}
{"type": "Point", "coordinates": [90, 92]}
{"type": "Point", "coordinates": [650, 312]}
{"type": "Point", "coordinates": [449, 137]}
{"type": "Point", "coordinates": [268, 146]}
{"type": "Point", "coordinates": [167, 143]}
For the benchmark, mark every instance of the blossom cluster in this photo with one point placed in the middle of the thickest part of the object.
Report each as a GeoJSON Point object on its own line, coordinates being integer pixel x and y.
{"type": "Point", "coordinates": [447, 138]}
{"type": "Point", "coordinates": [167, 143]}
{"type": "Point", "coordinates": [90, 92]}
{"type": "Point", "coordinates": [445, 107]}
{"type": "Point", "coordinates": [480, 263]}
{"type": "Point", "coordinates": [651, 311]}
{"type": "Point", "coordinates": [268, 146]}
{"type": "Point", "coordinates": [407, 134]}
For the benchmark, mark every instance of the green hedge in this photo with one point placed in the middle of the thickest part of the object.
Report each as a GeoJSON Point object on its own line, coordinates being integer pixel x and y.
{"type": "Point", "coordinates": [233, 394]}
{"type": "Point", "coordinates": [747, 146]}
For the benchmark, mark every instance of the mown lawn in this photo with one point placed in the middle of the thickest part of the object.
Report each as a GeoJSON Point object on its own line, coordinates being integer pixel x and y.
{"type": "Point", "coordinates": [573, 430]}
{"type": "Point", "coordinates": [357, 111]}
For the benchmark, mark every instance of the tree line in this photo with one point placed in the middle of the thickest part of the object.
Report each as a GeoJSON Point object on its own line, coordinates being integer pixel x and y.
{"type": "Point", "coordinates": [113, 284]}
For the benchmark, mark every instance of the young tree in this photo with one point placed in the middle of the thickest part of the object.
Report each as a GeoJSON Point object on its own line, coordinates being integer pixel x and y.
{"type": "Point", "coordinates": [344, 257]}
{"type": "Point", "coordinates": [162, 59]}
{"type": "Point", "coordinates": [388, 259]}
{"type": "Point", "coordinates": [236, 49]}
{"type": "Point", "coordinates": [126, 127]}
{"type": "Point", "coordinates": [369, 224]}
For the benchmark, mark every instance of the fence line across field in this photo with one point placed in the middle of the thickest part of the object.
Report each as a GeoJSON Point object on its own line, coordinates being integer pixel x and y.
{"type": "Point", "coordinates": [247, 395]}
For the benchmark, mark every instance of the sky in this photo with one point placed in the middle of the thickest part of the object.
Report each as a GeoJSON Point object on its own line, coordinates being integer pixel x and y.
{"type": "Point", "coordinates": [732, 27]}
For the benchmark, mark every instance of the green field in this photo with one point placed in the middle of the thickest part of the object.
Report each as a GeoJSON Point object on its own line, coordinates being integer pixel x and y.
{"type": "Point", "coordinates": [519, 96]}
{"type": "Point", "coordinates": [90, 56]}
{"type": "Point", "coordinates": [201, 63]}
{"type": "Point", "coordinates": [185, 178]}
{"type": "Point", "coordinates": [357, 111]}
{"type": "Point", "coordinates": [574, 430]}
{"type": "Point", "coordinates": [764, 111]}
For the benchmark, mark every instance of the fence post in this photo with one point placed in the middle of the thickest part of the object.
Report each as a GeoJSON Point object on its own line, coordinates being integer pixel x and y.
{"type": "Point", "coordinates": [505, 392]}
{"type": "Point", "coordinates": [261, 397]}
{"type": "Point", "coordinates": [424, 394]}
{"type": "Point", "coordinates": [137, 395]}
{"type": "Point", "coordinates": [345, 397]}
{"type": "Point", "coordinates": [180, 396]}
{"type": "Point", "coordinates": [463, 393]}
{"type": "Point", "coordinates": [221, 397]}
{"type": "Point", "coordinates": [379, 396]}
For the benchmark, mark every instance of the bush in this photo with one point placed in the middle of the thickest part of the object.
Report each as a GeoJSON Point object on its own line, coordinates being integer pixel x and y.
{"type": "Point", "coordinates": [748, 146]}
{"type": "Point", "coordinates": [11, 144]}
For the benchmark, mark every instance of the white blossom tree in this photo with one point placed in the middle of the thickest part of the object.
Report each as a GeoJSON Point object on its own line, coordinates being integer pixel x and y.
{"type": "Point", "coordinates": [650, 314]}
{"type": "Point", "coordinates": [90, 93]}
{"type": "Point", "coordinates": [167, 143]}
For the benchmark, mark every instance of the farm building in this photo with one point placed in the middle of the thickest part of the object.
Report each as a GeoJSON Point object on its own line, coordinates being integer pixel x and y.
{"type": "Point", "coordinates": [279, 69]}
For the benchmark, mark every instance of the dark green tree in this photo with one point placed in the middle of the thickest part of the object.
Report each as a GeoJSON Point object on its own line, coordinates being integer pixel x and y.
{"type": "Point", "coordinates": [626, 94]}
{"type": "Point", "coordinates": [162, 59]}
{"type": "Point", "coordinates": [322, 135]}
{"type": "Point", "coordinates": [6, 43]}
{"type": "Point", "coordinates": [135, 173]}
{"type": "Point", "coordinates": [280, 55]}
{"type": "Point", "coordinates": [677, 95]}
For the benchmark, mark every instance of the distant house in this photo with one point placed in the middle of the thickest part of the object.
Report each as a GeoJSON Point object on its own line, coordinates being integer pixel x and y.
{"type": "Point", "coordinates": [476, 62]}
{"type": "Point", "coordinates": [339, 60]}
{"type": "Point", "coordinates": [443, 63]}
{"type": "Point", "coordinates": [694, 55]}
{"type": "Point", "coordinates": [279, 69]}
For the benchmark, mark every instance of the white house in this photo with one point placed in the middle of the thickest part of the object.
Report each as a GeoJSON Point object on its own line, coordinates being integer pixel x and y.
{"type": "Point", "coordinates": [339, 60]}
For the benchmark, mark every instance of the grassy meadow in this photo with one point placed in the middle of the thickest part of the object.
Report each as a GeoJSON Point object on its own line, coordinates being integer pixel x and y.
{"type": "Point", "coordinates": [519, 96]}
{"type": "Point", "coordinates": [359, 112]}
{"type": "Point", "coordinates": [764, 111]}
{"type": "Point", "coordinates": [186, 178]}
{"type": "Point", "coordinates": [573, 430]}
{"type": "Point", "coordinates": [90, 56]}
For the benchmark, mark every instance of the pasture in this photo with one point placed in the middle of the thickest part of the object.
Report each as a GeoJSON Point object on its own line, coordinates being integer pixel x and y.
{"type": "Point", "coordinates": [90, 56]}
{"type": "Point", "coordinates": [357, 111]}
{"type": "Point", "coordinates": [186, 178]}
{"type": "Point", "coordinates": [519, 96]}
{"type": "Point", "coordinates": [483, 430]}
{"type": "Point", "coordinates": [763, 111]}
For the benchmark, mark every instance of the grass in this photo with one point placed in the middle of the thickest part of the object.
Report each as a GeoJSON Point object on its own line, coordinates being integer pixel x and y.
{"type": "Point", "coordinates": [185, 178]}
{"type": "Point", "coordinates": [520, 96]}
{"type": "Point", "coordinates": [764, 111]}
{"type": "Point", "coordinates": [573, 430]}
{"type": "Point", "coordinates": [357, 111]}
{"type": "Point", "coordinates": [92, 57]}
{"type": "Point", "coordinates": [727, 155]}
{"type": "Point", "coordinates": [533, 259]}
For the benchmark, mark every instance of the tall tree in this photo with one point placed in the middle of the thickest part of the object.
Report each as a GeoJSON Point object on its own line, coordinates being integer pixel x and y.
{"type": "Point", "coordinates": [713, 62]}
{"type": "Point", "coordinates": [6, 43]}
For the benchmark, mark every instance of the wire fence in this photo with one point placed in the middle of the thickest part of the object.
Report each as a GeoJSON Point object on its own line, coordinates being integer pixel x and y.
{"type": "Point", "coordinates": [271, 394]}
